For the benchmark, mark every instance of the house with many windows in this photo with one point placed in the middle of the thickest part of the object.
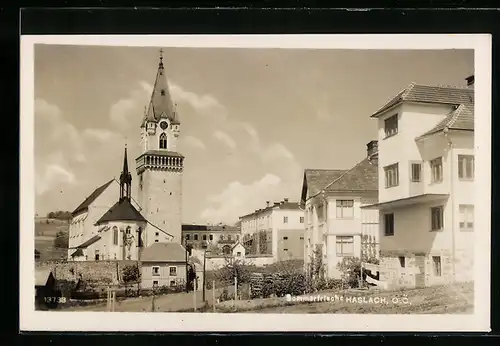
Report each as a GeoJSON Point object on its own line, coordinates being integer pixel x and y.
{"type": "Point", "coordinates": [335, 225]}
{"type": "Point", "coordinates": [276, 231]}
{"type": "Point", "coordinates": [426, 185]}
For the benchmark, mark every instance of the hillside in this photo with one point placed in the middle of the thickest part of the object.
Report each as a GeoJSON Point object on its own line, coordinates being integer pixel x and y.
{"type": "Point", "coordinates": [45, 233]}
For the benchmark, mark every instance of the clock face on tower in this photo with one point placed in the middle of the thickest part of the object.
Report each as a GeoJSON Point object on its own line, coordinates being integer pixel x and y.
{"type": "Point", "coordinates": [163, 125]}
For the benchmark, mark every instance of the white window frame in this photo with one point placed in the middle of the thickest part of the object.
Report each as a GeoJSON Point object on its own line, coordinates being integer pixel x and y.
{"type": "Point", "coordinates": [285, 219]}
{"type": "Point", "coordinates": [340, 243]}
{"type": "Point", "coordinates": [415, 173]}
{"type": "Point", "coordinates": [170, 271]}
{"type": "Point", "coordinates": [344, 208]}
{"type": "Point", "coordinates": [437, 218]}
{"type": "Point", "coordinates": [437, 266]}
{"type": "Point", "coordinates": [466, 217]}
{"type": "Point", "coordinates": [436, 169]}
{"type": "Point", "coordinates": [465, 166]}
{"type": "Point", "coordinates": [393, 222]}
{"type": "Point", "coordinates": [153, 271]}
{"type": "Point", "coordinates": [391, 173]}
{"type": "Point", "coordinates": [391, 126]}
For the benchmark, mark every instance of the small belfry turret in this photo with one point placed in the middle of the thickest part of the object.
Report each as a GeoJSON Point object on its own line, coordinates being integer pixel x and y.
{"type": "Point", "coordinates": [160, 165]}
{"type": "Point", "coordinates": [125, 179]}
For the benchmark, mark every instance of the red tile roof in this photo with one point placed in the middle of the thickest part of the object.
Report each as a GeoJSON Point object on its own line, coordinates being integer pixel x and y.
{"type": "Point", "coordinates": [430, 94]}
{"type": "Point", "coordinates": [164, 252]}
{"type": "Point", "coordinates": [89, 242]}
{"type": "Point", "coordinates": [93, 196]}
{"type": "Point", "coordinates": [316, 179]}
{"type": "Point", "coordinates": [461, 118]}
{"type": "Point", "coordinates": [362, 177]}
{"type": "Point", "coordinates": [278, 205]}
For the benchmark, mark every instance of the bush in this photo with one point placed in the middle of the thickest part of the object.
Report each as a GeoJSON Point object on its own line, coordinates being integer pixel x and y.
{"type": "Point", "coordinates": [61, 240]}
{"type": "Point", "coordinates": [351, 270]}
{"type": "Point", "coordinates": [131, 274]}
{"type": "Point", "coordinates": [234, 268]}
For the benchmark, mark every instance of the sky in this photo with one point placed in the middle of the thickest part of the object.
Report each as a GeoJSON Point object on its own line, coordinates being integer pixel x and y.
{"type": "Point", "coordinates": [251, 119]}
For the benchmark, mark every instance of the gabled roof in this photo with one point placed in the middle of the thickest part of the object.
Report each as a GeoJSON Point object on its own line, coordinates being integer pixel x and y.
{"type": "Point", "coordinates": [123, 210]}
{"type": "Point", "coordinates": [461, 118]}
{"type": "Point", "coordinates": [430, 94]}
{"type": "Point", "coordinates": [77, 253]}
{"type": "Point", "coordinates": [164, 252]}
{"type": "Point", "coordinates": [277, 205]}
{"type": "Point", "coordinates": [316, 179]}
{"type": "Point", "coordinates": [42, 276]}
{"type": "Point", "coordinates": [362, 177]}
{"type": "Point", "coordinates": [236, 244]}
{"type": "Point", "coordinates": [160, 105]}
{"type": "Point", "coordinates": [89, 242]}
{"type": "Point", "coordinates": [93, 196]}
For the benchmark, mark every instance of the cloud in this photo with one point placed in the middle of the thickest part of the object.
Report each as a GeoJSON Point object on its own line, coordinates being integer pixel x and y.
{"type": "Point", "coordinates": [52, 172]}
{"type": "Point", "coordinates": [101, 135]}
{"type": "Point", "coordinates": [225, 139]}
{"type": "Point", "coordinates": [277, 151]}
{"type": "Point", "coordinates": [123, 111]}
{"type": "Point", "coordinates": [52, 128]}
{"type": "Point", "coordinates": [198, 102]}
{"type": "Point", "coordinates": [194, 142]}
{"type": "Point", "coordinates": [323, 114]}
{"type": "Point", "coordinates": [238, 199]}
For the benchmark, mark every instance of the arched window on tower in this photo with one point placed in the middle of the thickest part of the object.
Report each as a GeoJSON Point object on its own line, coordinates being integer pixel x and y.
{"type": "Point", "coordinates": [163, 141]}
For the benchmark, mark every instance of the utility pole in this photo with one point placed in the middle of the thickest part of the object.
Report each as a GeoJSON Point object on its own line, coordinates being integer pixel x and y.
{"type": "Point", "coordinates": [187, 271]}
{"type": "Point", "coordinates": [204, 272]}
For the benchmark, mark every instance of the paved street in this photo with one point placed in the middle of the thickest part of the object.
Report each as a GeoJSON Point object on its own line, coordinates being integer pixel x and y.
{"type": "Point", "coordinates": [165, 303]}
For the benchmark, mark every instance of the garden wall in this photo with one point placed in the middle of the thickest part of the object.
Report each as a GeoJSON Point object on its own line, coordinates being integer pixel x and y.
{"type": "Point", "coordinates": [86, 270]}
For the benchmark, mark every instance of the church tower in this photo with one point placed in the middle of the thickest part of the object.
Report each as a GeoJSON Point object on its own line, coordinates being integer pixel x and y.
{"type": "Point", "coordinates": [160, 166]}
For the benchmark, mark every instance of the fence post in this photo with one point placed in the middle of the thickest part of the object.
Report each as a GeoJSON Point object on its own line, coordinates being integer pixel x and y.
{"type": "Point", "coordinates": [235, 288]}
{"type": "Point", "coordinates": [113, 301]}
{"type": "Point", "coordinates": [213, 294]}
{"type": "Point", "coordinates": [194, 299]}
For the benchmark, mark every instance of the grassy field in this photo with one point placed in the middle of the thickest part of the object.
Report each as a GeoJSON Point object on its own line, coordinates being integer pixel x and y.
{"type": "Point", "coordinates": [45, 232]}
{"type": "Point", "coordinates": [450, 299]}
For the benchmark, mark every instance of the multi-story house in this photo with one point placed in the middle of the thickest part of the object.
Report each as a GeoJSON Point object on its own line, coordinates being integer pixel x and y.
{"type": "Point", "coordinates": [336, 226]}
{"type": "Point", "coordinates": [223, 237]}
{"type": "Point", "coordinates": [276, 230]}
{"type": "Point", "coordinates": [426, 185]}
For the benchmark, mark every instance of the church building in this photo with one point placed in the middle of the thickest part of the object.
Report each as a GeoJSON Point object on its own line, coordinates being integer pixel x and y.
{"type": "Point", "coordinates": [111, 225]}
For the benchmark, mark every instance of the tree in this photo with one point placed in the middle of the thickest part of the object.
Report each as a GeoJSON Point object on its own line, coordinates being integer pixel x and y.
{"type": "Point", "coordinates": [130, 274]}
{"type": "Point", "coordinates": [235, 268]}
{"type": "Point", "coordinates": [61, 240]}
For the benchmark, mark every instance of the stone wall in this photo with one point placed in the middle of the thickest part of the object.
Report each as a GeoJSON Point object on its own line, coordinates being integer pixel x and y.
{"type": "Point", "coordinates": [420, 269]}
{"type": "Point", "coordinates": [96, 271]}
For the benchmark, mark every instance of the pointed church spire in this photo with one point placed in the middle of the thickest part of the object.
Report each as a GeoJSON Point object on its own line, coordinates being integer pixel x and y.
{"type": "Point", "coordinates": [161, 105]}
{"type": "Point", "coordinates": [125, 179]}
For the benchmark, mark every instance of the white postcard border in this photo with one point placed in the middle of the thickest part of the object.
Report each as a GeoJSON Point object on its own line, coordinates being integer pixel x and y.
{"type": "Point", "coordinates": [31, 320]}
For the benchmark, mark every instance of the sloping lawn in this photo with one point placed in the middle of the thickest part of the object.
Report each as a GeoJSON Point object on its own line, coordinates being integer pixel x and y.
{"type": "Point", "coordinates": [450, 299]}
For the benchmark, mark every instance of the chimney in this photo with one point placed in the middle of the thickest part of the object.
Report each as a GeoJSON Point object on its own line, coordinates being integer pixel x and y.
{"type": "Point", "coordinates": [470, 82]}
{"type": "Point", "coordinates": [372, 148]}
{"type": "Point", "coordinates": [267, 204]}
{"type": "Point", "coordinates": [285, 200]}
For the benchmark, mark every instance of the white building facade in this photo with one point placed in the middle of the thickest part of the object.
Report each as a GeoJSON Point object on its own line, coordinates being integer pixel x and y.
{"type": "Point", "coordinates": [336, 226]}
{"type": "Point", "coordinates": [426, 185]}
{"type": "Point", "coordinates": [276, 230]}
